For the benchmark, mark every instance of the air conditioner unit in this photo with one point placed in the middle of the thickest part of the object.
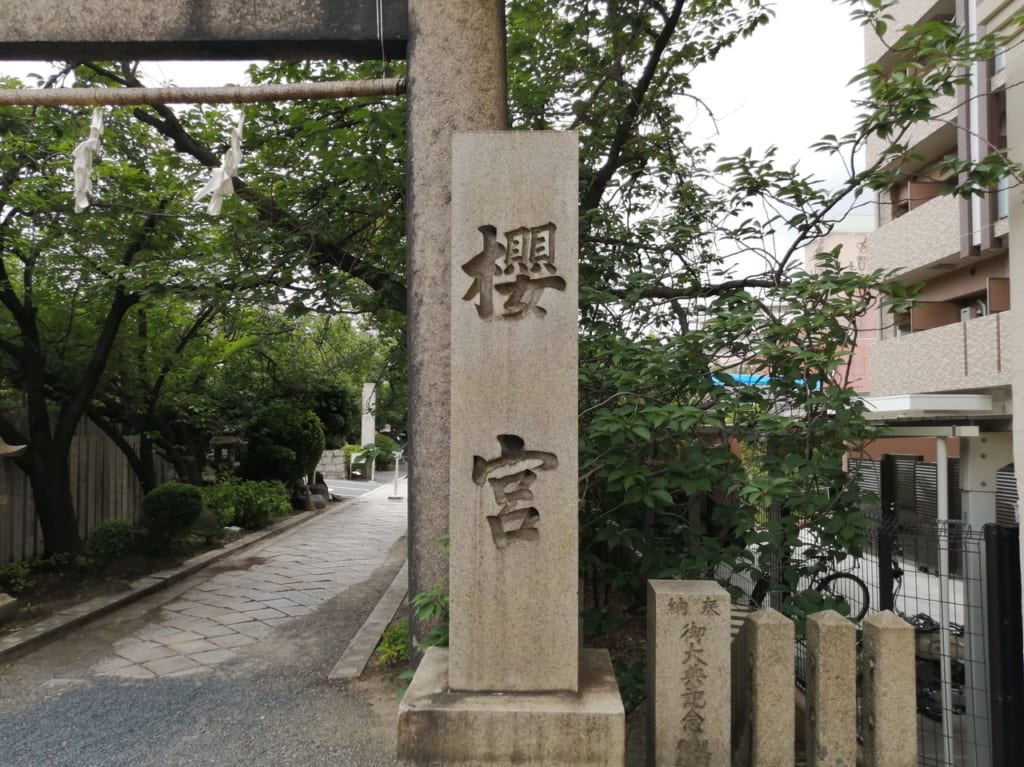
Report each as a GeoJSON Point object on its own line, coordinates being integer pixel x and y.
{"type": "Point", "coordinates": [966, 313]}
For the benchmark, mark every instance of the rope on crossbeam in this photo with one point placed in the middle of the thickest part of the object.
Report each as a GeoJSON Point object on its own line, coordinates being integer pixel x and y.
{"type": "Point", "coordinates": [247, 94]}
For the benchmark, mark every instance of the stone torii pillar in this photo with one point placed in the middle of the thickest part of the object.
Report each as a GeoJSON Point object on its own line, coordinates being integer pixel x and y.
{"type": "Point", "coordinates": [457, 81]}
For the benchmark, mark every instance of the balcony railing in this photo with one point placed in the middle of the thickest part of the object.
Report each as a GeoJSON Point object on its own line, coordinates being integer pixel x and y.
{"type": "Point", "coordinates": [973, 354]}
{"type": "Point", "coordinates": [916, 239]}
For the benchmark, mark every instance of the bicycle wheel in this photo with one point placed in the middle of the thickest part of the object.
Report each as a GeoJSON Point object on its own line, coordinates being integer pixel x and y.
{"type": "Point", "coordinates": [844, 587]}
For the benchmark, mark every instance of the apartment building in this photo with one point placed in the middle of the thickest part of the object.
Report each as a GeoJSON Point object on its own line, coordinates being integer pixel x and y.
{"type": "Point", "coordinates": [944, 370]}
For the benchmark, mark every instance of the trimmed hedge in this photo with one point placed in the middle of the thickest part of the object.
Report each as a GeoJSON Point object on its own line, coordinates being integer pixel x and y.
{"type": "Point", "coordinates": [169, 511]}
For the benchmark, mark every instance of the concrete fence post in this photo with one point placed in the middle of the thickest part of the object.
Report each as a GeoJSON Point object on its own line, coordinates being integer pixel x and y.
{"type": "Point", "coordinates": [831, 691]}
{"type": "Point", "coordinates": [771, 711]}
{"type": "Point", "coordinates": [888, 710]}
{"type": "Point", "coordinates": [688, 688]}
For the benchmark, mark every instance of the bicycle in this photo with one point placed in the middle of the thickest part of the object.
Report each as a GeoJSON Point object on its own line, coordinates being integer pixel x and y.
{"type": "Point", "coordinates": [843, 586]}
{"type": "Point", "coordinates": [837, 586]}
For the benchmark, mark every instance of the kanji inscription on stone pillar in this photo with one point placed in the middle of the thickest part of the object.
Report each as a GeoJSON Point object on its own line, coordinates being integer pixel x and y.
{"type": "Point", "coordinates": [513, 458]}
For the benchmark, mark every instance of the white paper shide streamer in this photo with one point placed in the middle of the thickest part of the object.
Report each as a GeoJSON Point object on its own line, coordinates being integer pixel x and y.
{"type": "Point", "coordinates": [219, 186]}
{"type": "Point", "coordinates": [83, 155]}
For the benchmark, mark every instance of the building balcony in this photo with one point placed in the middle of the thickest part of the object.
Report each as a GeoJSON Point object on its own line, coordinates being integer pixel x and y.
{"type": "Point", "coordinates": [904, 13]}
{"type": "Point", "coordinates": [928, 235]}
{"type": "Point", "coordinates": [969, 355]}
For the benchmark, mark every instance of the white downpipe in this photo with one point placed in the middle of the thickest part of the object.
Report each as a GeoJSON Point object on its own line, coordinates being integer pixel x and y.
{"type": "Point", "coordinates": [945, 673]}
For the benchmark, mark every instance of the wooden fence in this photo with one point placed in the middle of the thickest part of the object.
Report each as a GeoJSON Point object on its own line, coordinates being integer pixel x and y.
{"type": "Point", "coordinates": [103, 487]}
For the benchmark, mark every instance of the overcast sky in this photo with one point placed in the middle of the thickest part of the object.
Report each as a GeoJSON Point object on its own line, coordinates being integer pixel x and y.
{"type": "Point", "coordinates": [787, 84]}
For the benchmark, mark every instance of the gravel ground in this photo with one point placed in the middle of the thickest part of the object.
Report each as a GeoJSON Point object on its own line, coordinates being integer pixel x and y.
{"type": "Point", "coordinates": [270, 706]}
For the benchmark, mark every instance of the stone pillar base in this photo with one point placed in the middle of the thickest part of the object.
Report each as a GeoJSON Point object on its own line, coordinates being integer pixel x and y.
{"type": "Point", "coordinates": [467, 729]}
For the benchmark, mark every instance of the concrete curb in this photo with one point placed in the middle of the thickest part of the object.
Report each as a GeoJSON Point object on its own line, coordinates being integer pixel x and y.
{"type": "Point", "coordinates": [56, 626]}
{"type": "Point", "coordinates": [353, 661]}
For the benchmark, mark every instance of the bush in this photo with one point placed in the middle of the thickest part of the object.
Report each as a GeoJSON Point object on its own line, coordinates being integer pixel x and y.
{"type": "Point", "coordinates": [284, 443]}
{"type": "Point", "coordinates": [220, 499]}
{"type": "Point", "coordinates": [168, 511]}
{"type": "Point", "coordinates": [256, 503]}
{"type": "Point", "coordinates": [109, 541]}
{"type": "Point", "coordinates": [386, 449]}
{"type": "Point", "coordinates": [393, 647]}
{"type": "Point", "coordinates": [16, 578]}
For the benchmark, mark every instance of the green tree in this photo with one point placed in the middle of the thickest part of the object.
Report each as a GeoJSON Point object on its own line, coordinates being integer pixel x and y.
{"type": "Point", "coordinates": [69, 282]}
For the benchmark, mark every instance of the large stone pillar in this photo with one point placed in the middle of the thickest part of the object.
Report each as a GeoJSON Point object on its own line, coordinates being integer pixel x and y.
{"type": "Point", "coordinates": [514, 688]}
{"type": "Point", "coordinates": [457, 81]}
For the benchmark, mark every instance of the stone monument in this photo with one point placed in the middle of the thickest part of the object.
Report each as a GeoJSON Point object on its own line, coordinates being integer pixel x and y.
{"type": "Point", "coordinates": [515, 688]}
{"type": "Point", "coordinates": [368, 421]}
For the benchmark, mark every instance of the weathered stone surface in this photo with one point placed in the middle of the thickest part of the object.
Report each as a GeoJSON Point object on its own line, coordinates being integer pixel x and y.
{"type": "Point", "coordinates": [456, 82]}
{"type": "Point", "coordinates": [831, 691]}
{"type": "Point", "coordinates": [203, 29]}
{"type": "Point", "coordinates": [8, 606]}
{"type": "Point", "coordinates": [769, 644]}
{"type": "Point", "coordinates": [513, 469]}
{"type": "Point", "coordinates": [688, 687]}
{"type": "Point", "coordinates": [440, 728]}
{"type": "Point", "coordinates": [889, 711]}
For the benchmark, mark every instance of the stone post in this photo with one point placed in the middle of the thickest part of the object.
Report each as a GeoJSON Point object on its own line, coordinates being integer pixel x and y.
{"type": "Point", "coordinates": [831, 691]}
{"type": "Point", "coordinates": [688, 689]}
{"type": "Point", "coordinates": [513, 472]}
{"type": "Point", "coordinates": [514, 688]}
{"type": "Point", "coordinates": [889, 708]}
{"type": "Point", "coordinates": [772, 714]}
{"type": "Point", "coordinates": [456, 82]}
{"type": "Point", "coordinates": [368, 422]}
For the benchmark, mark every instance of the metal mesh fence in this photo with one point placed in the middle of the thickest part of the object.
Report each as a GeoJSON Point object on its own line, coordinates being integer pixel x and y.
{"type": "Point", "coordinates": [941, 595]}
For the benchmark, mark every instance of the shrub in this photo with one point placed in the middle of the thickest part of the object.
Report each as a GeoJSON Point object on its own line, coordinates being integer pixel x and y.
{"type": "Point", "coordinates": [284, 443]}
{"type": "Point", "coordinates": [220, 499]}
{"type": "Point", "coordinates": [109, 541]}
{"type": "Point", "coordinates": [16, 578]}
{"type": "Point", "coordinates": [168, 511]}
{"type": "Point", "coordinates": [386, 449]}
{"type": "Point", "coordinates": [256, 503]}
{"type": "Point", "coordinates": [393, 648]}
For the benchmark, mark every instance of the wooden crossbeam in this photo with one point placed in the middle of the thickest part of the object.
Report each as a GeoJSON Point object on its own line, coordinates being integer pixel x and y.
{"type": "Point", "coordinates": [389, 86]}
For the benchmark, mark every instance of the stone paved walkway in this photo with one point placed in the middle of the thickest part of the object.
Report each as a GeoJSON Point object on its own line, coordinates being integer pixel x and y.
{"type": "Point", "coordinates": [288, 577]}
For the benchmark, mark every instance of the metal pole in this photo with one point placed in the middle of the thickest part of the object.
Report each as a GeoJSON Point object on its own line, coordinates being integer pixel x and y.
{"type": "Point", "coordinates": [945, 672]}
{"type": "Point", "coordinates": [398, 465]}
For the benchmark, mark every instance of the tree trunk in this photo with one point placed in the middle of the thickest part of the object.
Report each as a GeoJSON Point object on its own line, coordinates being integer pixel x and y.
{"type": "Point", "coordinates": [50, 478]}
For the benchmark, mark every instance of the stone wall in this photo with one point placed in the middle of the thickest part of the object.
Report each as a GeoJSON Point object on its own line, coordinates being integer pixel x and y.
{"type": "Point", "coordinates": [332, 464]}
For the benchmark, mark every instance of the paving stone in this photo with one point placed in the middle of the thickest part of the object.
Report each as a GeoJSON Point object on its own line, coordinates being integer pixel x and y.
{"type": "Point", "coordinates": [133, 671]}
{"type": "Point", "coordinates": [177, 637]}
{"type": "Point", "coordinates": [191, 648]}
{"type": "Point", "coordinates": [188, 672]}
{"type": "Point", "coordinates": [211, 630]}
{"type": "Point", "coordinates": [204, 611]}
{"type": "Point", "coordinates": [230, 619]}
{"type": "Point", "coordinates": [180, 605]}
{"type": "Point", "coordinates": [232, 640]}
{"type": "Point", "coordinates": [143, 652]}
{"type": "Point", "coordinates": [254, 629]}
{"type": "Point", "coordinates": [213, 657]}
{"type": "Point", "coordinates": [265, 614]}
{"type": "Point", "coordinates": [296, 610]}
{"type": "Point", "coordinates": [110, 665]}
{"type": "Point", "coordinates": [170, 665]}
{"type": "Point", "coordinates": [280, 604]}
